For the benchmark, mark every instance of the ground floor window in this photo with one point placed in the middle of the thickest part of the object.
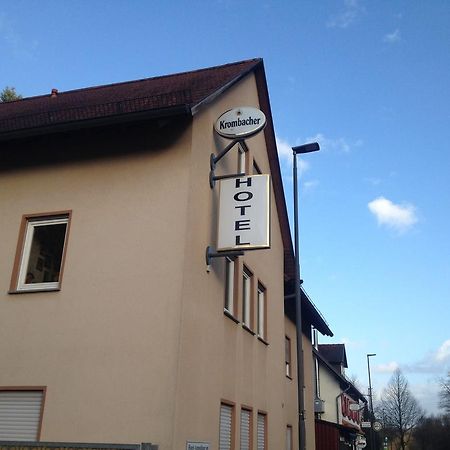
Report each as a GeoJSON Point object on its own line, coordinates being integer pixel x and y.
{"type": "Point", "coordinates": [226, 426]}
{"type": "Point", "coordinates": [246, 429]}
{"type": "Point", "coordinates": [21, 414]}
{"type": "Point", "coordinates": [261, 431]}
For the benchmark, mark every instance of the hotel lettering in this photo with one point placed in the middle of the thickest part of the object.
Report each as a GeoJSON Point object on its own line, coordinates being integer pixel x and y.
{"type": "Point", "coordinates": [244, 212]}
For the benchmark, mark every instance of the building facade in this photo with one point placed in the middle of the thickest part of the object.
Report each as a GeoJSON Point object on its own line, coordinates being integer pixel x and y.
{"type": "Point", "coordinates": [113, 327]}
{"type": "Point", "coordinates": [339, 403]}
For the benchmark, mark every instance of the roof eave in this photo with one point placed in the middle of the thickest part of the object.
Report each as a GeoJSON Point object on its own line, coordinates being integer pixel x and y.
{"type": "Point", "coordinates": [179, 110]}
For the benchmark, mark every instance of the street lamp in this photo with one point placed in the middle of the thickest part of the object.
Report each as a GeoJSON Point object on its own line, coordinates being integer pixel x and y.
{"type": "Point", "coordinates": [370, 382]}
{"type": "Point", "coordinates": [370, 399]}
{"type": "Point", "coordinates": [306, 148]}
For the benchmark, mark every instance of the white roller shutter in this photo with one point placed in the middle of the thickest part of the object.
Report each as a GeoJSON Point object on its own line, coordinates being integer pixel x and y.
{"type": "Point", "coordinates": [261, 432]}
{"type": "Point", "coordinates": [20, 413]}
{"type": "Point", "coordinates": [226, 419]}
{"type": "Point", "coordinates": [245, 429]}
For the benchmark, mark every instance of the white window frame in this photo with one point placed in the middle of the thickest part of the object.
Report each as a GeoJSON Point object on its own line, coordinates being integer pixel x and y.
{"type": "Point", "coordinates": [31, 224]}
{"type": "Point", "coordinates": [242, 160]}
{"type": "Point", "coordinates": [289, 436]}
{"type": "Point", "coordinates": [229, 304]}
{"type": "Point", "coordinates": [261, 300]}
{"type": "Point", "coordinates": [247, 298]}
{"type": "Point", "coordinates": [288, 356]}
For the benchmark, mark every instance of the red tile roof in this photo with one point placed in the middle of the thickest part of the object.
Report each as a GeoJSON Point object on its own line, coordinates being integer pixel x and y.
{"type": "Point", "coordinates": [164, 95]}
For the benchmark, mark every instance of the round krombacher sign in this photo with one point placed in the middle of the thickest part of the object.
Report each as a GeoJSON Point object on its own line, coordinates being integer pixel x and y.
{"type": "Point", "coordinates": [240, 122]}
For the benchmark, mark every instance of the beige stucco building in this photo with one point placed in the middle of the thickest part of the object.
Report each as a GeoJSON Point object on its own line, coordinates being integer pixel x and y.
{"type": "Point", "coordinates": [112, 327]}
{"type": "Point", "coordinates": [339, 404]}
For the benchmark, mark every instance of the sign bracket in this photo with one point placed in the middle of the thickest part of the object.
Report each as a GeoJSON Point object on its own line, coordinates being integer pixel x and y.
{"type": "Point", "coordinates": [210, 253]}
{"type": "Point", "coordinates": [213, 160]}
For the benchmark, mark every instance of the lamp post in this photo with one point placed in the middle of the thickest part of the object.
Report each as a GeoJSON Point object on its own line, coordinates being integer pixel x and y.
{"type": "Point", "coordinates": [306, 148]}
{"type": "Point", "coordinates": [370, 399]}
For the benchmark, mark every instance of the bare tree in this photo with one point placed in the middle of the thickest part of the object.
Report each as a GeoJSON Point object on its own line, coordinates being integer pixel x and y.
{"type": "Point", "coordinates": [445, 394]}
{"type": "Point", "coordinates": [401, 410]}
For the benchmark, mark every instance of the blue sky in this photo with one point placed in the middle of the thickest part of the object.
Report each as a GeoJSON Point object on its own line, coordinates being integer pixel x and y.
{"type": "Point", "coordinates": [368, 80]}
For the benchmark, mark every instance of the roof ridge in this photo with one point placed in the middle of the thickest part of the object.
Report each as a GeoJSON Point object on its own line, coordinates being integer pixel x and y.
{"type": "Point", "coordinates": [122, 83]}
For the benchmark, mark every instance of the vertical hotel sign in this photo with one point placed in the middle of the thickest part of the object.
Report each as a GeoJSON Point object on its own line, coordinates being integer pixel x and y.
{"type": "Point", "coordinates": [244, 213]}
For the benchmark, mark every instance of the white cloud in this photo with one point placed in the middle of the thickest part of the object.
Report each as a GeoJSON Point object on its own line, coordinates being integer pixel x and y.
{"type": "Point", "coordinates": [310, 185]}
{"type": "Point", "coordinates": [285, 155]}
{"type": "Point", "coordinates": [350, 13]}
{"type": "Point", "coordinates": [396, 216]}
{"type": "Point", "coordinates": [374, 181]}
{"type": "Point", "coordinates": [387, 368]}
{"type": "Point", "coordinates": [393, 37]}
{"type": "Point", "coordinates": [434, 362]}
{"type": "Point", "coordinates": [336, 144]}
{"type": "Point", "coordinates": [443, 352]}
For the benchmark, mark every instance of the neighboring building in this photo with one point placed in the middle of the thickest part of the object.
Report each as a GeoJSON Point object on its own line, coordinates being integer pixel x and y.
{"type": "Point", "coordinates": [112, 327]}
{"type": "Point", "coordinates": [338, 425]}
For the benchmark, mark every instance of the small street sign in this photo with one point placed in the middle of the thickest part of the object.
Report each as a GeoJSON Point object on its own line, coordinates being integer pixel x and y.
{"type": "Point", "coordinates": [377, 426]}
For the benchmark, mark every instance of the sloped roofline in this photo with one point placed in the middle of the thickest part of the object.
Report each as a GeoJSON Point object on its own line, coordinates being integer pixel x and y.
{"type": "Point", "coordinates": [180, 94]}
{"type": "Point", "coordinates": [340, 377]}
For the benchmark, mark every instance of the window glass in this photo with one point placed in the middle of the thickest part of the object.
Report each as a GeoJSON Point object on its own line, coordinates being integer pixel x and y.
{"type": "Point", "coordinates": [42, 255]}
{"type": "Point", "coordinates": [288, 437]}
{"type": "Point", "coordinates": [229, 288]}
{"type": "Point", "coordinates": [261, 311]}
{"type": "Point", "coordinates": [242, 160]}
{"type": "Point", "coordinates": [287, 356]}
{"type": "Point", "coordinates": [246, 297]}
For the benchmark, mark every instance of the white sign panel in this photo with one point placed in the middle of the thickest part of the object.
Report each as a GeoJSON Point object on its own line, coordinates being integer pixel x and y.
{"type": "Point", "coordinates": [244, 213]}
{"type": "Point", "coordinates": [197, 445]}
{"type": "Point", "coordinates": [240, 122]}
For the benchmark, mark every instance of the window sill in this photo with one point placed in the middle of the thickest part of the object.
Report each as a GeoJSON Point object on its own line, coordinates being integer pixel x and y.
{"type": "Point", "coordinates": [262, 340]}
{"type": "Point", "coordinates": [230, 316]}
{"type": "Point", "coordinates": [33, 291]}
{"type": "Point", "coordinates": [246, 328]}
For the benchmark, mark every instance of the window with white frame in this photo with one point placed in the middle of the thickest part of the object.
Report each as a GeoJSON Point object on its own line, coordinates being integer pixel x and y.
{"type": "Point", "coordinates": [229, 285]}
{"type": "Point", "coordinates": [20, 414]}
{"type": "Point", "coordinates": [261, 328]}
{"type": "Point", "coordinates": [42, 248]}
{"type": "Point", "coordinates": [287, 355]}
{"type": "Point", "coordinates": [289, 437]}
{"type": "Point", "coordinates": [226, 426]}
{"type": "Point", "coordinates": [261, 430]}
{"type": "Point", "coordinates": [242, 160]}
{"type": "Point", "coordinates": [246, 429]}
{"type": "Point", "coordinates": [246, 297]}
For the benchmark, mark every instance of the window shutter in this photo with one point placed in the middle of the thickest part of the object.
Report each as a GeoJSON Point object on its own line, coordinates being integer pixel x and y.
{"type": "Point", "coordinates": [20, 413]}
{"type": "Point", "coordinates": [245, 429]}
{"type": "Point", "coordinates": [261, 432]}
{"type": "Point", "coordinates": [226, 417]}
